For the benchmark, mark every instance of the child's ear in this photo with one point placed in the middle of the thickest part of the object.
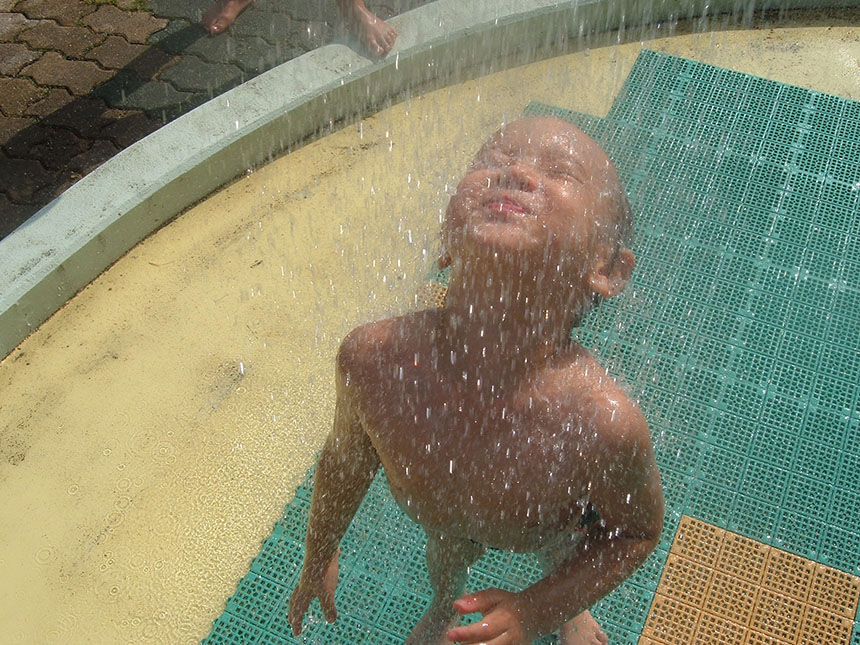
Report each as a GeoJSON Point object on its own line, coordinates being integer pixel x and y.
{"type": "Point", "coordinates": [610, 277]}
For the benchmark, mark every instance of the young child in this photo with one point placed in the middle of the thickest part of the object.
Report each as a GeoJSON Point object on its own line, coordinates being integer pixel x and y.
{"type": "Point", "coordinates": [375, 34]}
{"type": "Point", "coordinates": [494, 428]}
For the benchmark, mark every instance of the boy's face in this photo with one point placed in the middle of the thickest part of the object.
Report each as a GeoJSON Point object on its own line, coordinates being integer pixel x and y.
{"type": "Point", "coordinates": [538, 188]}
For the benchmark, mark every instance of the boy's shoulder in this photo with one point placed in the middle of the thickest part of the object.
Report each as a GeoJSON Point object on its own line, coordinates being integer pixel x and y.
{"type": "Point", "coordinates": [582, 391]}
{"type": "Point", "coordinates": [385, 340]}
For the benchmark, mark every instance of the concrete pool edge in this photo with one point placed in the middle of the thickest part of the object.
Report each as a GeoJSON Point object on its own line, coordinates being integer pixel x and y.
{"type": "Point", "coordinates": [69, 242]}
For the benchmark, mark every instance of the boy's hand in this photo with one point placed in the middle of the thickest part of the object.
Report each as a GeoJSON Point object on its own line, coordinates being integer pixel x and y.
{"type": "Point", "coordinates": [505, 620]}
{"type": "Point", "coordinates": [310, 587]}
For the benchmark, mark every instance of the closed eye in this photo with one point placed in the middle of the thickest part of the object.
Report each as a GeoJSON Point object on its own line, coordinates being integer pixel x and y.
{"type": "Point", "coordinates": [566, 173]}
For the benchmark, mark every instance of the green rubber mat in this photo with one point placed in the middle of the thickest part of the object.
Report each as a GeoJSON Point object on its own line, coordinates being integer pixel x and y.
{"type": "Point", "coordinates": [739, 335]}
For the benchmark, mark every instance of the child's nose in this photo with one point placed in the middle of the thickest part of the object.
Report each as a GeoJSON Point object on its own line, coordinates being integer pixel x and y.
{"type": "Point", "coordinates": [519, 176]}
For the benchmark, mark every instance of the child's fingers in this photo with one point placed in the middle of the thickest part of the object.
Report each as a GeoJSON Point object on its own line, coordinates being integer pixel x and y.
{"type": "Point", "coordinates": [482, 601]}
{"type": "Point", "coordinates": [480, 632]}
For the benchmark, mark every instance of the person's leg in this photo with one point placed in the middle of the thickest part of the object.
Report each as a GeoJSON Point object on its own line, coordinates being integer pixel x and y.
{"type": "Point", "coordinates": [448, 560]}
{"type": "Point", "coordinates": [374, 33]}
{"type": "Point", "coordinates": [222, 14]}
{"type": "Point", "coordinates": [582, 629]}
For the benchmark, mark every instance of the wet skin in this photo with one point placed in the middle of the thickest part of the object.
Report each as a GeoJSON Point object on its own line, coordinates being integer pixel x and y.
{"type": "Point", "coordinates": [492, 426]}
{"type": "Point", "coordinates": [376, 35]}
{"type": "Point", "coordinates": [222, 14]}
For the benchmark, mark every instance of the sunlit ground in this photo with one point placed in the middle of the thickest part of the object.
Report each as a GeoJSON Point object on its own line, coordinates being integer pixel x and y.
{"type": "Point", "coordinates": [152, 431]}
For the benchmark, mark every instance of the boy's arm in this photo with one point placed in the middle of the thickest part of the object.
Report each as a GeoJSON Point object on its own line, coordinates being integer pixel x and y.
{"type": "Point", "coordinates": [630, 503]}
{"type": "Point", "coordinates": [345, 470]}
{"type": "Point", "coordinates": [629, 498]}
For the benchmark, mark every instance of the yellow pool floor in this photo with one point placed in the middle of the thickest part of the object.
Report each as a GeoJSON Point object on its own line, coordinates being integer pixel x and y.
{"type": "Point", "coordinates": [152, 431]}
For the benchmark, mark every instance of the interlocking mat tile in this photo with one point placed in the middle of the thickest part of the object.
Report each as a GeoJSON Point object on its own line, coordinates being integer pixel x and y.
{"type": "Point", "coordinates": [739, 335]}
{"type": "Point", "coordinates": [720, 587]}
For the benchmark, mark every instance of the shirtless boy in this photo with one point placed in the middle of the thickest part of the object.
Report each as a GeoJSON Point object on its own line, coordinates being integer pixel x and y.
{"type": "Point", "coordinates": [494, 428]}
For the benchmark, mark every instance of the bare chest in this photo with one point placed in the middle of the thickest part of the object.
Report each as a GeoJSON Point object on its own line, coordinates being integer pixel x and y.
{"type": "Point", "coordinates": [500, 470]}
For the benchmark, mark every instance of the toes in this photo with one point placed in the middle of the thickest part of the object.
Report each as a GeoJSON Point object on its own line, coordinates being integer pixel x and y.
{"type": "Point", "coordinates": [384, 42]}
{"type": "Point", "coordinates": [378, 48]}
{"type": "Point", "coordinates": [375, 48]}
{"type": "Point", "coordinates": [215, 24]}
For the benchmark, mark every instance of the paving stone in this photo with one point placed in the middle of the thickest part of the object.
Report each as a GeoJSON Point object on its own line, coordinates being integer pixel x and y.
{"type": "Point", "coordinates": [60, 182]}
{"type": "Point", "coordinates": [60, 146]}
{"type": "Point", "coordinates": [253, 55]}
{"type": "Point", "coordinates": [117, 53]}
{"type": "Point", "coordinates": [84, 116]}
{"type": "Point", "coordinates": [12, 215]}
{"type": "Point", "coordinates": [77, 75]}
{"type": "Point", "coordinates": [16, 94]}
{"type": "Point", "coordinates": [56, 99]}
{"type": "Point", "coordinates": [118, 114]}
{"type": "Point", "coordinates": [273, 27]}
{"type": "Point", "coordinates": [136, 26]}
{"type": "Point", "coordinates": [23, 177]}
{"type": "Point", "coordinates": [389, 8]}
{"type": "Point", "coordinates": [116, 90]}
{"type": "Point", "coordinates": [71, 41]}
{"type": "Point", "coordinates": [130, 129]}
{"type": "Point", "coordinates": [306, 35]}
{"type": "Point", "coordinates": [99, 152]}
{"type": "Point", "coordinates": [150, 62]}
{"type": "Point", "coordinates": [65, 12]}
{"type": "Point", "coordinates": [283, 52]}
{"type": "Point", "coordinates": [309, 11]}
{"type": "Point", "coordinates": [13, 56]}
{"type": "Point", "coordinates": [129, 91]}
{"type": "Point", "coordinates": [178, 36]}
{"type": "Point", "coordinates": [191, 74]}
{"type": "Point", "coordinates": [158, 99]}
{"type": "Point", "coordinates": [28, 134]}
{"type": "Point", "coordinates": [12, 23]}
{"type": "Point", "coordinates": [87, 129]}
{"type": "Point", "coordinates": [190, 10]}
{"type": "Point", "coordinates": [10, 126]}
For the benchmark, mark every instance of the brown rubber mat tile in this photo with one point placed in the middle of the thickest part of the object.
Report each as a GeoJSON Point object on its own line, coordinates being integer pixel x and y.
{"type": "Point", "coordinates": [721, 587]}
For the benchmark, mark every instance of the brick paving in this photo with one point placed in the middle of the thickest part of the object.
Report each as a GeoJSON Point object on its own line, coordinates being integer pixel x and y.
{"type": "Point", "coordinates": [82, 79]}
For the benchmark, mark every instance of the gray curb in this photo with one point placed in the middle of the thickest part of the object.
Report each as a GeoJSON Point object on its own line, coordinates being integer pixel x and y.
{"type": "Point", "coordinates": [69, 242]}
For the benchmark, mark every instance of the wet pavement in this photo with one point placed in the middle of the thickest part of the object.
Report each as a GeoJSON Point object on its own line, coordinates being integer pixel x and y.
{"type": "Point", "coordinates": [82, 79]}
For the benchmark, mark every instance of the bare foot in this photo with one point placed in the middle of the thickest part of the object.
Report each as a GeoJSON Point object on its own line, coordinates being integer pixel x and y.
{"type": "Point", "coordinates": [583, 630]}
{"type": "Point", "coordinates": [222, 14]}
{"type": "Point", "coordinates": [374, 33]}
{"type": "Point", "coordinates": [433, 627]}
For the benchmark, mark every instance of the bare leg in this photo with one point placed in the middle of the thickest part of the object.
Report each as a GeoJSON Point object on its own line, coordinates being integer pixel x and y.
{"type": "Point", "coordinates": [375, 34]}
{"type": "Point", "coordinates": [222, 14]}
{"type": "Point", "coordinates": [447, 562]}
{"type": "Point", "coordinates": [583, 629]}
